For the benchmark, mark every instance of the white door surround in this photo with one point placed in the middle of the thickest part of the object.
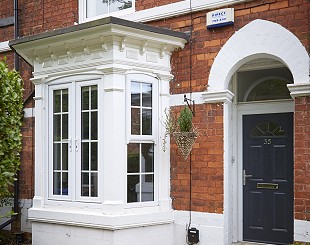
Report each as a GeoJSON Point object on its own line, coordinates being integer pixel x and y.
{"type": "Point", "coordinates": [259, 39]}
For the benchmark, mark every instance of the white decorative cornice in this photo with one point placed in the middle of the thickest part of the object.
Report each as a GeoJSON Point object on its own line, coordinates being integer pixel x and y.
{"type": "Point", "coordinates": [104, 39]}
{"type": "Point", "coordinates": [218, 96]}
{"type": "Point", "coordinates": [4, 47]}
{"type": "Point", "coordinates": [298, 90]}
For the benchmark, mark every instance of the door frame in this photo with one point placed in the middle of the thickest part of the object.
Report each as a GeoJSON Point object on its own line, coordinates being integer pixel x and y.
{"type": "Point", "coordinates": [269, 107]}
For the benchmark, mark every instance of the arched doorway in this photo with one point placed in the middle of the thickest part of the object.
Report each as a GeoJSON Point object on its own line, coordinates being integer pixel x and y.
{"type": "Point", "coordinates": [258, 51]}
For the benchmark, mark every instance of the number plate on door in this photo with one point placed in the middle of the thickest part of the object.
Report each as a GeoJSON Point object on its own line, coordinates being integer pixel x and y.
{"type": "Point", "coordinates": [267, 186]}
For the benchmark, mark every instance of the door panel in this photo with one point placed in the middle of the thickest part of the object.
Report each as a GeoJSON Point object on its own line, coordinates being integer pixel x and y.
{"type": "Point", "coordinates": [268, 187]}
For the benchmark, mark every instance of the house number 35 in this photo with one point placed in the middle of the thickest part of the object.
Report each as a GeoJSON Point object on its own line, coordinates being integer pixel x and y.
{"type": "Point", "coordinates": [267, 141]}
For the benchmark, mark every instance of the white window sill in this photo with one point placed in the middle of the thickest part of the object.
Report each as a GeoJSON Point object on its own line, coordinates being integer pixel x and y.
{"type": "Point", "coordinates": [4, 47]}
{"type": "Point", "coordinates": [97, 219]}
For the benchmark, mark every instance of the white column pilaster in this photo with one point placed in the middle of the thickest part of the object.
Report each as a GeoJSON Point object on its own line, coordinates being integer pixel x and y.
{"type": "Point", "coordinates": [114, 140]}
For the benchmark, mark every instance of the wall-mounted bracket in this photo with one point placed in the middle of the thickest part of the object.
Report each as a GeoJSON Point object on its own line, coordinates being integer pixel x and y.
{"type": "Point", "coordinates": [190, 103]}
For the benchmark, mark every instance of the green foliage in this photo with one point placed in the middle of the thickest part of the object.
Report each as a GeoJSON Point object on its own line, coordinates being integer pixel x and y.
{"type": "Point", "coordinates": [185, 120]}
{"type": "Point", "coordinates": [300, 243]}
{"type": "Point", "coordinates": [11, 106]}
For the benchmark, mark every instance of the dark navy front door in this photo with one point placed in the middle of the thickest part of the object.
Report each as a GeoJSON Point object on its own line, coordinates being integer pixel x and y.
{"type": "Point", "coordinates": [268, 178]}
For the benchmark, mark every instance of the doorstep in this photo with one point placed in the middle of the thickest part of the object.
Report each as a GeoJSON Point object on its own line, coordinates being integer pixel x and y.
{"type": "Point", "coordinates": [250, 243]}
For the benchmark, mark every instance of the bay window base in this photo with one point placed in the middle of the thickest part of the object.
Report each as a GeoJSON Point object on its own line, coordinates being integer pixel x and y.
{"type": "Point", "coordinates": [72, 227]}
{"type": "Point", "coordinates": [95, 218]}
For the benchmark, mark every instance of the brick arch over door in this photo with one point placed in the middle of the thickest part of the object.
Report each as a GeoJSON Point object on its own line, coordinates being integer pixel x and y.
{"type": "Point", "coordinates": [259, 39]}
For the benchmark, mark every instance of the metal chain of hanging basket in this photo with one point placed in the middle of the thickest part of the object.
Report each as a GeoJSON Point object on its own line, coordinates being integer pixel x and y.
{"type": "Point", "coordinates": [185, 141]}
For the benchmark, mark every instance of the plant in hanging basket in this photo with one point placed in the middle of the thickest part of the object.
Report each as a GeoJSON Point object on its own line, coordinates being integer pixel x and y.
{"type": "Point", "coordinates": [187, 134]}
{"type": "Point", "coordinates": [182, 129]}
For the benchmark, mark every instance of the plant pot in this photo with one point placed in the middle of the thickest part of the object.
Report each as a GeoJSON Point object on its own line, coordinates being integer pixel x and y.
{"type": "Point", "coordinates": [185, 141]}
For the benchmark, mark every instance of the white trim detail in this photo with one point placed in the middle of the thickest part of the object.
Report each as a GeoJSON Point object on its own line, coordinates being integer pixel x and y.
{"type": "Point", "coordinates": [28, 112]}
{"type": "Point", "coordinates": [302, 230]}
{"type": "Point", "coordinates": [218, 96]}
{"type": "Point", "coordinates": [4, 47]}
{"type": "Point", "coordinates": [298, 90]}
{"type": "Point", "coordinates": [175, 9]}
{"type": "Point", "coordinates": [259, 39]}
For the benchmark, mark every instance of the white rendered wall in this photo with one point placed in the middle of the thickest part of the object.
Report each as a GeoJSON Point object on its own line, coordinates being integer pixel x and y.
{"type": "Point", "coordinates": [210, 226]}
{"type": "Point", "coordinates": [302, 230]}
{"type": "Point", "coordinates": [51, 234]}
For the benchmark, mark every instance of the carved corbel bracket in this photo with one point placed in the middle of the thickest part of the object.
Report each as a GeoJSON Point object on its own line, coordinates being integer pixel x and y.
{"type": "Point", "coordinates": [163, 51]}
{"type": "Point", "coordinates": [143, 47]}
{"type": "Point", "coordinates": [122, 44]}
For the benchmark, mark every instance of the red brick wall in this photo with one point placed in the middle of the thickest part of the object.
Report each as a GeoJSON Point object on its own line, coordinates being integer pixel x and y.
{"type": "Point", "coordinates": [6, 10]}
{"type": "Point", "coordinates": [38, 16]}
{"type": "Point", "coordinates": [302, 158]}
{"type": "Point", "coordinates": [26, 179]}
{"type": "Point", "coordinates": [207, 164]}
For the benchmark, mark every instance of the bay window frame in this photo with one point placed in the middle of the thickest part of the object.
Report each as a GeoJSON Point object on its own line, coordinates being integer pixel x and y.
{"type": "Point", "coordinates": [140, 139]}
{"type": "Point", "coordinates": [74, 139]}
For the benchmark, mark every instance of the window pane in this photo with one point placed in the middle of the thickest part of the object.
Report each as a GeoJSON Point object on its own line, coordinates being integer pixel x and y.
{"type": "Point", "coordinates": [135, 94]}
{"type": "Point", "coordinates": [146, 121]}
{"type": "Point", "coordinates": [94, 125]}
{"type": "Point", "coordinates": [273, 89]}
{"type": "Point", "coordinates": [56, 127]}
{"type": "Point", "coordinates": [94, 97]}
{"type": "Point", "coordinates": [135, 121]}
{"type": "Point", "coordinates": [94, 184]}
{"type": "Point", "coordinates": [147, 158]}
{"type": "Point", "coordinates": [65, 183]}
{"type": "Point", "coordinates": [133, 158]}
{"type": "Point", "coordinates": [65, 100]}
{"type": "Point", "coordinates": [94, 156]}
{"type": "Point", "coordinates": [96, 7]}
{"type": "Point", "coordinates": [85, 184]}
{"type": "Point", "coordinates": [65, 127]}
{"type": "Point", "coordinates": [85, 98]}
{"type": "Point", "coordinates": [64, 156]}
{"type": "Point", "coordinates": [56, 183]}
{"type": "Point", "coordinates": [85, 156]}
{"type": "Point", "coordinates": [133, 188]}
{"type": "Point", "coordinates": [147, 188]}
{"type": "Point", "coordinates": [57, 156]}
{"type": "Point", "coordinates": [146, 95]}
{"type": "Point", "coordinates": [119, 5]}
{"type": "Point", "coordinates": [85, 125]}
{"type": "Point", "coordinates": [57, 101]}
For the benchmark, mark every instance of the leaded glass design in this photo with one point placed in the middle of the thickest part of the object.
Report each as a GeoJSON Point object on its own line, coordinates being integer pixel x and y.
{"type": "Point", "coordinates": [89, 141]}
{"type": "Point", "coordinates": [60, 141]}
{"type": "Point", "coordinates": [140, 172]}
{"type": "Point", "coordinates": [267, 129]}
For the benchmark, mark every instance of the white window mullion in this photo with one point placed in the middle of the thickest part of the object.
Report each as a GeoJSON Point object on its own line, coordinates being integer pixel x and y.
{"type": "Point", "coordinates": [141, 150]}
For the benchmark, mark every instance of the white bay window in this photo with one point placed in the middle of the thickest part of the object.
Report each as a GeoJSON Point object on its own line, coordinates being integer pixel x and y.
{"type": "Point", "coordinates": [101, 89]}
{"type": "Point", "coordinates": [74, 138]}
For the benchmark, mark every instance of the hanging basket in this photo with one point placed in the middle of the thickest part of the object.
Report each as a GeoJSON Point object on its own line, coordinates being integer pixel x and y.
{"type": "Point", "coordinates": [185, 141]}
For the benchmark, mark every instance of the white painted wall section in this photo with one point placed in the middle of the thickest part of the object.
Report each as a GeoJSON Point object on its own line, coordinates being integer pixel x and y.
{"type": "Point", "coordinates": [302, 230]}
{"type": "Point", "coordinates": [210, 226]}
